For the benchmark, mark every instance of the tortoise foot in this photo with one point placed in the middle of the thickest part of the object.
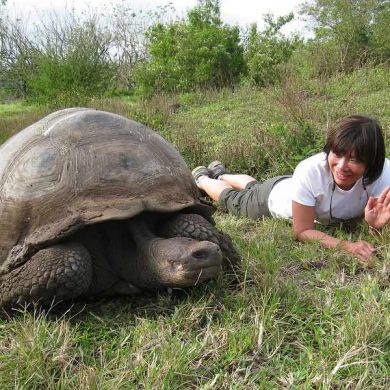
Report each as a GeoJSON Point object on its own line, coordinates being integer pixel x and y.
{"type": "Point", "coordinates": [55, 273]}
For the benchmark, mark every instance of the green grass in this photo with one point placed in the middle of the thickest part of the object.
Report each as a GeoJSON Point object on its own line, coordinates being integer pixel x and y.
{"type": "Point", "coordinates": [15, 108]}
{"type": "Point", "coordinates": [16, 116]}
{"type": "Point", "coordinates": [300, 316]}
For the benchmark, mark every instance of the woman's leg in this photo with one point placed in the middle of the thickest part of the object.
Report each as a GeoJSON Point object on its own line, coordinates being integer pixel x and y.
{"type": "Point", "coordinates": [237, 181]}
{"type": "Point", "coordinates": [215, 187]}
{"type": "Point", "coordinates": [212, 187]}
{"type": "Point", "coordinates": [206, 180]}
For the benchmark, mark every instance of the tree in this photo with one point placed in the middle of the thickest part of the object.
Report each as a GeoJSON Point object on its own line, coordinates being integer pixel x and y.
{"type": "Point", "coordinates": [73, 65]}
{"type": "Point", "coordinates": [201, 52]}
{"type": "Point", "coordinates": [64, 61]}
{"type": "Point", "coordinates": [266, 50]}
{"type": "Point", "coordinates": [353, 27]}
{"type": "Point", "coordinates": [128, 44]}
{"type": "Point", "coordinates": [17, 54]}
{"type": "Point", "coordinates": [380, 33]}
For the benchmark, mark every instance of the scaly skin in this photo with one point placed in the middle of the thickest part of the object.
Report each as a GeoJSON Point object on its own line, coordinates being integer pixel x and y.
{"type": "Point", "coordinates": [66, 271]}
{"type": "Point", "coordinates": [61, 271]}
{"type": "Point", "coordinates": [190, 226]}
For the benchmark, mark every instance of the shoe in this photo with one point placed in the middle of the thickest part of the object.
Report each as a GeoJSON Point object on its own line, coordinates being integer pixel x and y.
{"type": "Point", "coordinates": [216, 169]}
{"type": "Point", "coordinates": [198, 172]}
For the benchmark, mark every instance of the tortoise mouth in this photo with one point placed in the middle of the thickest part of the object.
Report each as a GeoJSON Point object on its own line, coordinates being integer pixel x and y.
{"type": "Point", "coordinates": [200, 274]}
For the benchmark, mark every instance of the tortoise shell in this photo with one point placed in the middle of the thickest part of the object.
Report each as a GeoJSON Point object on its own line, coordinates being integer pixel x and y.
{"type": "Point", "coordinates": [80, 166]}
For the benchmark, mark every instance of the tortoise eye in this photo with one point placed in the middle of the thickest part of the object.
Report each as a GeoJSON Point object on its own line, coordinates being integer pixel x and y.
{"type": "Point", "coordinates": [200, 254]}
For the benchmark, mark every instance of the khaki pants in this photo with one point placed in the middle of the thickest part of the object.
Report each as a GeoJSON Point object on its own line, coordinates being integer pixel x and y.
{"type": "Point", "coordinates": [251, 202]}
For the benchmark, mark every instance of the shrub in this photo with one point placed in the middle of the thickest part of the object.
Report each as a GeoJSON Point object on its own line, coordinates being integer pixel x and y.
{"type": "Point", "coordinates": [72, 71]}
{"type": "Point", "coordinates": [62, 61]}
{"type": "Point", "coordinates": [352, 33]}
{"type": "Point", "coordinates": [265, 51]}
{"type": "Point", "coordinates": [199, 53]}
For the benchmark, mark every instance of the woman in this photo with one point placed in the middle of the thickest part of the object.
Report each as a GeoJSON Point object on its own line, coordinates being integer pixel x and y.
{"type": "Point", "coordinates": [349, 179]}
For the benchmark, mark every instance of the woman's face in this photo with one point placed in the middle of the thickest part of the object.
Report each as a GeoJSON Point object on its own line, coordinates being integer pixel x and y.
{"type": "Point", "coordinates": [346, 169]}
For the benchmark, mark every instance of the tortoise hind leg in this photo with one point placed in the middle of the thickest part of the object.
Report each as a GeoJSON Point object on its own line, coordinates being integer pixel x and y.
{"type": "Point", "coordinates": [59, 272]}
{"type": "Point", "coordinates": [196, 227]}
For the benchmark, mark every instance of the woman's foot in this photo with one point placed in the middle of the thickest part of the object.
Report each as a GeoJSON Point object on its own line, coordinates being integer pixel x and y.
{"type": "Point", "coordinates": [198, 172]}
{"type": "Point", "coordinates": [216, 169]}
{"type": "Point", "coordinates": [209, 185]}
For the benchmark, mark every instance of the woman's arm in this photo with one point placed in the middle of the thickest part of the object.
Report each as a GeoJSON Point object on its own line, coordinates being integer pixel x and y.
{"type": "Point", "coordinates": [303, 227]}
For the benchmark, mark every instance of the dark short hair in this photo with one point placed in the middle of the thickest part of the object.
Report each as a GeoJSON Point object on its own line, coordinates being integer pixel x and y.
{"type": "Point", "coordinates": [363, 136]}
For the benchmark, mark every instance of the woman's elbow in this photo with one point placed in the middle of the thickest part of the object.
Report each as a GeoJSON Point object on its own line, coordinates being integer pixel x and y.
{"type": "Point", "coordinates": [299, 234]}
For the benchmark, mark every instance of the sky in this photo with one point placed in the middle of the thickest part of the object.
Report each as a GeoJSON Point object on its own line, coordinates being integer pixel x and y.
{"type": "Point", "coordinates": [241, 12]}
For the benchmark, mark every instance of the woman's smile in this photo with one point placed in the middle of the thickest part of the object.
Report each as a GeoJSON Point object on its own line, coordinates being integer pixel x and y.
{"type": "Point", "coordinates": [346, 169]}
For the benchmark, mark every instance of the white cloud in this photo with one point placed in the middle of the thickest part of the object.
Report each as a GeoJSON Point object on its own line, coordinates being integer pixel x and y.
{"type": "Point", "coordinates": [242, 12]}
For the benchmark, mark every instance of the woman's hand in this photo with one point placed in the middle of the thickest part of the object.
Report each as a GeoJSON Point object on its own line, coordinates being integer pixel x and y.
{"type": "Point", "coordinates": [361, 249]}
{"type": "Point", "coordinates": [377, 211]}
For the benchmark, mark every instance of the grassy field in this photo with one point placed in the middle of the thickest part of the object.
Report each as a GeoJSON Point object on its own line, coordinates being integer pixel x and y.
{"type": "Point", "coordinates": [300, 317]}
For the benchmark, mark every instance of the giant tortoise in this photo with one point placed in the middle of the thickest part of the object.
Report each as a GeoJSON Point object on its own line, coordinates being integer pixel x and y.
{"type": "Point", "coordinates": [94, 204]}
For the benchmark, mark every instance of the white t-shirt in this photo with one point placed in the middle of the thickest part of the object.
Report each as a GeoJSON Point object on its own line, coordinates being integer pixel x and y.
{"type": "Point", "coordinates": [311, 185]}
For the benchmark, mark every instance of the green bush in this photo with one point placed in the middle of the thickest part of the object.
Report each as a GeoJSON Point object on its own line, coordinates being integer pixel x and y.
{"type": "Point", "coordinates": [348, 34]}
{"type": "Point", "coordinates": [314, 60]}
{"type": "Point", "coordinates": [73, 72]}
{"type": "Point", "coordinates": [266, 50]}
{"type": "Point", "coordinates": [379, 39]}
{"type": "Point", "coordinates": [199, 53]}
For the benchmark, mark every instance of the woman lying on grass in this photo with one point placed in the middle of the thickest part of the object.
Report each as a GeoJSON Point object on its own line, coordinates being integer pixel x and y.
{"type": "Point", "coordinates": [349, 179]}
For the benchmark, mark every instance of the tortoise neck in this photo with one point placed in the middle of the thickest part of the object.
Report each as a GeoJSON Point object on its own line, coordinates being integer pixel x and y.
{"type": "Point", "coordinates": [139, 229]}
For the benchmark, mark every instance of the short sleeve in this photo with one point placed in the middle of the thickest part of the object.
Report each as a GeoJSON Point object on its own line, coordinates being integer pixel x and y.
{"type": "Point", "coordinates": [302, 190]}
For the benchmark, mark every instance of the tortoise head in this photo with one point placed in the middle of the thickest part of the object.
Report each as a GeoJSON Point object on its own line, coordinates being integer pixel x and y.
{"type": "Point", "coordinates": [178, 262]}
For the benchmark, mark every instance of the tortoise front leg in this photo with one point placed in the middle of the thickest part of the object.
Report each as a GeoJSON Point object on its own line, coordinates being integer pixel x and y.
{"type": "Point", "coordinates": [198, 228]}
{"type": "Point", "coordinates": [59, 272]}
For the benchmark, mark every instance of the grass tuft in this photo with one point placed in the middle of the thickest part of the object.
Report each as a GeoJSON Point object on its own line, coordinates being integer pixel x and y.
{"type": "Point", "coordinates": [298, 317]}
